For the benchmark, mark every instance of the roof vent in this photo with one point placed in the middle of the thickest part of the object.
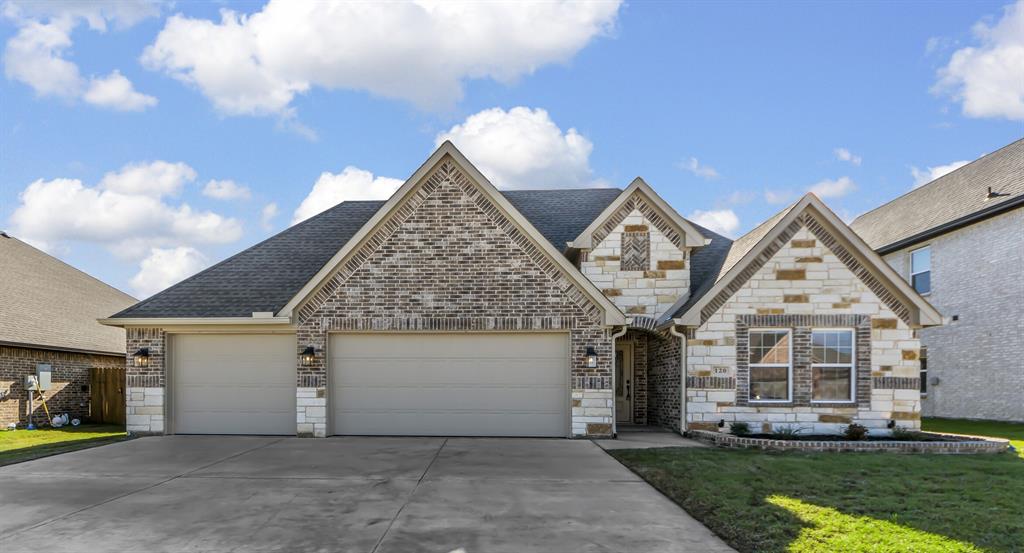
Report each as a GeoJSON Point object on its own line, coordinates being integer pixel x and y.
{"type": "Point", "coordinates": [992, 194]}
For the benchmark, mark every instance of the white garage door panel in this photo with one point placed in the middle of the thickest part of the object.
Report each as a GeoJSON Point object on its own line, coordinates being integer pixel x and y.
{"type": "Point", "coordinates": [450, 384]}
{"type": "Point", "coordinates": [234, 384]}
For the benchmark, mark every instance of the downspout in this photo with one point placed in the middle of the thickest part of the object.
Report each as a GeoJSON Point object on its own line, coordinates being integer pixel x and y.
{"type": "Point", "coordinates": [615, 415]}
{"type": "Point", "coordinates": [674, 330]}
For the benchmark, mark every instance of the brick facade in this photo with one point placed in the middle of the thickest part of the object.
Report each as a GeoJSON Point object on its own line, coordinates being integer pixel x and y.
{"type": "Point", "coordinates": [976, 361]}
{"type": "Point", "coordinates": [664, 372]}
{"type": "Point", "coordinates": [70, 382]}
{"type": "Point", "coordinates": [638, 262]}
{"type": "Point", "coordinates": [448, 260]}
{"type": "Point", "coordinates": [802, 284]}
{"type": "Point", "coordinates": [146, 405]}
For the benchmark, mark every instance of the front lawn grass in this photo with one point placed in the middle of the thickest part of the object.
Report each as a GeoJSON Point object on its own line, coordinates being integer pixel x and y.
{"type": "Point", "coordinates": [23, 445]}
{"type": "Point", "coordinates": [1013, 431]}
{"type": "Point", "coordinates": [851, 502]}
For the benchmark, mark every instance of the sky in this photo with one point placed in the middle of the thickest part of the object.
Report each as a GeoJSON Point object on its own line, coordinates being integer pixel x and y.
{"type": "Point", "coordinates": [143, 141]}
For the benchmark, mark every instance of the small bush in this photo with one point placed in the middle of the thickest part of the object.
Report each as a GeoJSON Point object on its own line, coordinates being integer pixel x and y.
{"type": "Point", "coordinates": [786, 433]}
{"type": "Point", "coordinates": [855, 432]}
{"type": "Point", "coordinates": [739, 429]}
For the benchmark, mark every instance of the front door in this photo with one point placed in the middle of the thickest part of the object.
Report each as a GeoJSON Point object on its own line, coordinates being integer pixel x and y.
{"type": "Point", "coordinates": [624, 382]}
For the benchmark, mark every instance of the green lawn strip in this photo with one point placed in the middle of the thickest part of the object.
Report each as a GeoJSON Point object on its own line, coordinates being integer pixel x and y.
{"type": "Point", "coordinates": [856, 502]}
{"type": "Point", "coordinates": [1013, 431]}
{"type": "Point", "coordinates": [24, 445]}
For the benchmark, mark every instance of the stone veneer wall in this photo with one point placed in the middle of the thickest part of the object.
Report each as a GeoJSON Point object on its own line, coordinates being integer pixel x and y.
{"type": "Point", "coordinates": [448, 260]}
{"type": "Point", "coordinates": [145, 409]}
{"type": "Point", "coordinates": [70, 381]}
{"type": "Point", "coordinates": [978, 276]}
{"type": "Point", "coordinates": [804, 279]}
{"type": "Point", "coordinates": [644, 292]}
{"type": "Point", "coordinates": [664, 370]}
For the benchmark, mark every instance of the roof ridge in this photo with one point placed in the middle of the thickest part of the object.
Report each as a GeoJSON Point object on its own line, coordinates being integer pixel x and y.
{"type": "Point", "coordinates": [925, 185]}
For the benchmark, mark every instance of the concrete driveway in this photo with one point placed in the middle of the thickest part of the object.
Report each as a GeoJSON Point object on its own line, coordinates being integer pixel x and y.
{"type": "Point", "coordinates": [217, 493]}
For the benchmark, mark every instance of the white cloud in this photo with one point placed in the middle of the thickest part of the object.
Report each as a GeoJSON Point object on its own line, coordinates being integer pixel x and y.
{"type": "Point", "coordinates": [226, 190]}
{"type": "Point", "coordinates": [420, 51]}
{"type": "Point", "coordinates": [694, 166]}
{"type": "Point", "coordinates": [267, 215]}
{"type": "Point", "coordinates": [928, 174]}
{"type": "Point", "coordinates": [126, 212]}
{"type": "Point", "coordinates": [116, 92]}
{"type": "Point", "coordinates": [154, 178]}
{"type": "Point", "coordinates": [842, 154]}
{"type": "Point", "coordinates": [833, 188]}
{"type": "Point", "coordinates": [722, 221]}
{"type": "Point", "coordinates": [987, 78]}
{"type": "Point", "coordinates": [523, 148]}
{"type": "Point", "coordinates": [35, 54]}
{"type": "Point", "coordinates": [350, 184]}
{"type": "Point", "coordinates": [164, 267]}
{"type": "Point", "coordinates": [741, 197]}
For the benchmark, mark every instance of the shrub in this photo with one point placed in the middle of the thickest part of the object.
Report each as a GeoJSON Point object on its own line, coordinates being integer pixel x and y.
{"type": "Point", "coordinates": [786, 433]}
{"type": "Point", "coordinates": [906, 435]}
{"type": "Point", "coordinates": [739, 429]}
{"type": "Point", "coordinates": [855, 432]}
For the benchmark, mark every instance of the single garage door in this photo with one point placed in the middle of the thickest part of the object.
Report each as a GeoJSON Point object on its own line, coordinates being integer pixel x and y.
{"type": "Point", "coordinates": [233, 384]}
{"type": "Point", "coordinates": [416, 384]}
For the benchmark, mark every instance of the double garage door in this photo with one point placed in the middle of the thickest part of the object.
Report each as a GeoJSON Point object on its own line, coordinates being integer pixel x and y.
{"type": "Point", "coordinates": [413, 384]}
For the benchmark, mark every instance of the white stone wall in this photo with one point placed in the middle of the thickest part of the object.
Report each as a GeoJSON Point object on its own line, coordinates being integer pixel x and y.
{"type": "Point", "coordinates": [830, 288]}
{"type": "Point", "coordinates": [144, 410]}
{"type": "Point", "coordinates": [311, 412]}
{"type": "Point", "coordinates": [591, 407]}
{"type": "Point", "coordinates": [978, 276]}
{"type": "Point", "coordinates": [649, 292]}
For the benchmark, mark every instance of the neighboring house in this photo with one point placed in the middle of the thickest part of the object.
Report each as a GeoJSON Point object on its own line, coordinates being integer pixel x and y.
{"type": "Point", "coordinates": [48, 313]}
{"type": "Point", "coordinates": [456, 309]}
{"type": "Point", "coordinates": [960, 241]}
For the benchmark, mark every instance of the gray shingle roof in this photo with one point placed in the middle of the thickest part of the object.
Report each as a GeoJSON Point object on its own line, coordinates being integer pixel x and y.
{"type": "Point", "coordinates": [47, 303]}
{"type": "Point", "coordinates": [266, 276]}
{"type": "Point", "coordinates": [709, 264]}
{"type": "Point", "coordinates": [947, 199]}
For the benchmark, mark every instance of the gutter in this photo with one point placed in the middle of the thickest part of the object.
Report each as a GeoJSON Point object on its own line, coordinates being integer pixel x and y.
{"type": "Point", "coordinates": [615, 414]}
{"type": "Point", "coordinates": [674, 330]}
{"type": "Point", "coordinates": [171, 321]}
{"type": "Point", "coordinates": [44, 347]}
{"type": "Point", "coordinates": [975, 217]}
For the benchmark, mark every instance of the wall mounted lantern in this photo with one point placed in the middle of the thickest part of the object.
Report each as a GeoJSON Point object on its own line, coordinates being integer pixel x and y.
{"type": "Point", "coordinates": [308, 356]}
{"type": "Point", "coordinates": [141, 357]}
{"type": "Point", "coordinates": [591, 358]}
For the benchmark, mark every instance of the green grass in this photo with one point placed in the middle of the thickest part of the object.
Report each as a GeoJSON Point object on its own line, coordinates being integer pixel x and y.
{"type": "Point", "coordinates": [1013, 431]}
{"type": "Point", "coordinates": [851, 502]}
{"type": "Point", "coordinates": [23, 445]}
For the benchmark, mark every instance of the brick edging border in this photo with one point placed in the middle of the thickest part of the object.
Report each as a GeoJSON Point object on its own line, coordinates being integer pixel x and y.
{"type": "Point", "coordinates": [975, 445]}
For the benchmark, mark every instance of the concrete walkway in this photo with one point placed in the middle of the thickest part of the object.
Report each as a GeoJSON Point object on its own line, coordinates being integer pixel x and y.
{"type": "Point", "coordinates": [216, 493]}
{"type": "Point", "coordinates": [647, 440]}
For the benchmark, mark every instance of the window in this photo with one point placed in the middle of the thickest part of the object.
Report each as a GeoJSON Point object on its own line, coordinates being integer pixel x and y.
{"type": "Point", "coordinates": [832, 365]}
{"type": "Point", "coordinates": [924, 371]}
{"type": "Point", "coordinates": [921, 270]}
{"type": "Point", "coordinates": [771, 368]}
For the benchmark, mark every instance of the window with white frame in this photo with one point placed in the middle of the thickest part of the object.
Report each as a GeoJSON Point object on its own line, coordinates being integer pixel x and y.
{"type": "Point", "coordinates": [921, 270]}
{"type": "Point", "coordinates": [771, 365]}
{"type": "Point", "coordinates": [832, 367]}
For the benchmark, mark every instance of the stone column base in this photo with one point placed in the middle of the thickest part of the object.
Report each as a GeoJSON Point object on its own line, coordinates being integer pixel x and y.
{"type": "Point", "coordinates": [592, 412]}
{"type": "Point", "coordinates": [144, 411]}
{"type": "Point", "coordinates": [311, 412]}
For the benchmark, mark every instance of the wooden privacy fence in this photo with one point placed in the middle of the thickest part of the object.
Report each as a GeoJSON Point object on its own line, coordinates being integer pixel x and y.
{"type": "Point", "coordinates": [106, 390]}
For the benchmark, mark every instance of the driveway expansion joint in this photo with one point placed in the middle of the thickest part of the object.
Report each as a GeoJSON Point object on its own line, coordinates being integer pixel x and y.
{"type": "Point", "coordinates": [409, 496]}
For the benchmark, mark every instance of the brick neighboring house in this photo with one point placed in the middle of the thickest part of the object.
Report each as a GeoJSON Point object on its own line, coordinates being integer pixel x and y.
{"type": "Point", "coordinates": [960, 241]}
{"type": "Point", "coordinates": [48, 313]}
{"type": "Point", "coordinates": [456, 309]}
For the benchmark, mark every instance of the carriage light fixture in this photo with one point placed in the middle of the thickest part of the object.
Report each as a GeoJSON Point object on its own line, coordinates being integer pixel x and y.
{"type": "Point", "coordinates": [591, 358]}
{"type": "Point", "coordinates": [141, 357]}
{"type": "Point", "coordinates": [308, 356]}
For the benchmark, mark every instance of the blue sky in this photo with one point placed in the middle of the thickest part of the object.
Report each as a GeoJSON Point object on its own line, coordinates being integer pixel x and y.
{"type": "Point", "coordinates": [727, 109]}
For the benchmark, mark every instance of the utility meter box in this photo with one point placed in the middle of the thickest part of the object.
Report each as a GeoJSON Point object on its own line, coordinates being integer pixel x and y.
{"type": "Point", "coordinates": [43, 372]}
{"type": "Point", "coordinates": [31, 382]}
